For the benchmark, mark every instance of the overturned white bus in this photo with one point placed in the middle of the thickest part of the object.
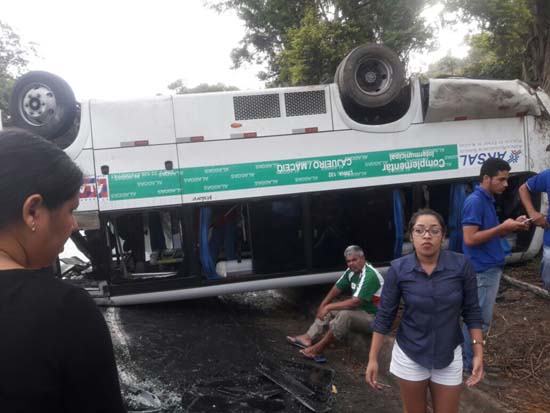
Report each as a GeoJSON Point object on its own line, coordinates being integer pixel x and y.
{"type": "Point", "coordinates": [193, 195]}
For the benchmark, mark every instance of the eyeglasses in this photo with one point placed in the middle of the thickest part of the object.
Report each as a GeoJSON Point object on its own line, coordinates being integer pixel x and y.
{"type": "Point", "coordinates": [420, 231]}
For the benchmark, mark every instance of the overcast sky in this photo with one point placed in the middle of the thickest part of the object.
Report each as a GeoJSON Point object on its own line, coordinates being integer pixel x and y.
{"type": "Point", "coordinates": [126, 49]}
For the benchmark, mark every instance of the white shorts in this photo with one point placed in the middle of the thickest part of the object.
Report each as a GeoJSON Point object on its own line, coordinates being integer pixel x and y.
{"type": "Point", "coordinates": [405, 368]}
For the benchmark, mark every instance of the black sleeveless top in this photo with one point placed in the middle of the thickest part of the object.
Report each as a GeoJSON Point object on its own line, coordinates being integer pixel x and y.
{"type": "Point", "coordinates": [56, 353]}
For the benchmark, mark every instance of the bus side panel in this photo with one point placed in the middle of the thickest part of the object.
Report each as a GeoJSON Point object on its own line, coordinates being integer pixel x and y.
{"type": "Point", "coordinates": [90, 188]}
{"type": "Point", "coordinates": [538, 138]}
{"type": "Point", "coordinates": [213, 171]}
{"type": "Point", "coordinates": [218, 116]}
{"type": "Point", "coordinates": [138, 177]}
{"type": "Point", "coordinates": [123, 123]}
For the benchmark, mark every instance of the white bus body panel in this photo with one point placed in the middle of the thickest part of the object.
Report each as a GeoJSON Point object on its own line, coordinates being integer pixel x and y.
{"type": "Point", "coordinates": [215, 116]}
{"type": "Point", "coordinates": [120, 123]}
{"type": "Point", "coordinates": [138, 178]}
{"type": "Point", "coordinates": [346, 159]}
{"type": "Point", "coordinates": [342, 121]}
{"type": "Point", "coordinates": [479, 99]}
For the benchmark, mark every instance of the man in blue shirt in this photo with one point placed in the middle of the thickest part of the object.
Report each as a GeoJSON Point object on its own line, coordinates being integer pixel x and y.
{"type": "Point", "coordinates": [539, 183]}
{"type": "Point", "coordinates": [482, 234]}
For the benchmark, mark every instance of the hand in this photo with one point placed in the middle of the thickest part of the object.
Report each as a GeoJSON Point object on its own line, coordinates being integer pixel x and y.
{"type": "Point", "coordinates": [477, 372]}
{"type": "Point", "coordinates": [511, 225]}
{"type": "Point", "coordinates": [322, 313]}
{"type": "Point", "coordinates": [523, 219]}
{"type": "Point", "coordinates": [371, 375]}
{"type": "Point", "coordinates": [539, 220]}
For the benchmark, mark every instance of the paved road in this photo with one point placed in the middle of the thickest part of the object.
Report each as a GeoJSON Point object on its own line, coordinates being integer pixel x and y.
{"type": "Point", "coordinates": [198, 355]}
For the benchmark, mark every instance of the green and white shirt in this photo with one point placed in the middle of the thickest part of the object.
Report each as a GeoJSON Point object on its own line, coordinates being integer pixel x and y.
{"type": "Point", "coordinates": [366, 285]}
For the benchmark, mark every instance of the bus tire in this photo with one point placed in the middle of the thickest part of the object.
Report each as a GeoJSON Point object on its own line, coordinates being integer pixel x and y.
{"type": "Point", "coordinates": [42, 103]}
{"type": "Point", "coordinates": [370, 76]}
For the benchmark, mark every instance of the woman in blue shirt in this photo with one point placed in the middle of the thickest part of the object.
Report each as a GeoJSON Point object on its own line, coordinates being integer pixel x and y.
{"type": "Point", "coordinates": [438, 288]}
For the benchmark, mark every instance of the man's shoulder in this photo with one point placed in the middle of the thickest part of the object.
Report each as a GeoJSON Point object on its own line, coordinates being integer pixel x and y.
{"type": "Point", "coordinates": [345, 277]}
{"type": "Point", "coordinates": [474, 198]}
{"type": "Point", "coordinates": [371, 271]}
{"type": "Point", "coordinates": [540, 182]}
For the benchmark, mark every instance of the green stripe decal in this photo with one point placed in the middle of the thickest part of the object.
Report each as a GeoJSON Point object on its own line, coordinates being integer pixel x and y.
{"type": "Point", "coordinates": [204, 179]}
{"type": "Point", "coordinates": [146, 184]}
{"type": "Point", "coordinates": [322, 169]}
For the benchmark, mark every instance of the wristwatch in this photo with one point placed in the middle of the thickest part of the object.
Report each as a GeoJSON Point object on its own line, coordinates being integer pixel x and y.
{"type": "Point", "coordinates": [482, 342]}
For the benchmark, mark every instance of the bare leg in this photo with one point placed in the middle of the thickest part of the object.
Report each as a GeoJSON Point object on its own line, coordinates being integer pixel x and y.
{"type": "Point", "coordinates": [445, 399]}
{"type": "Point", "coordinates": [304, 339]}
{"type": "Point", "coordinates": [414, 395]}
{"type": "Point", "coordinates": [317, 348]}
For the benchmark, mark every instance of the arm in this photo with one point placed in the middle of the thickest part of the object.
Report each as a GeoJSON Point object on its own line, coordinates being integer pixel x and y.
{"type": "Point", "coordinates": [332, 294]}
{"type": "Point", "coordinates": [472, 220]}
{"type": "Point", "coordinates": [474, 236]}
{"type": "Point", "coordinates": [371, 373]}
{"type": "Point", "coordinates": [350, 303]}
{"type": "Point", "coordinates": [88, 364]}
{"type": "Point", "coordinates": [477, 369]}
{"type": "Point", "coordinates": [471, 313]}
{"type": "Point", "coordinates": [389, 303]}
{"type": "Point", "coordinates": [525, 196]}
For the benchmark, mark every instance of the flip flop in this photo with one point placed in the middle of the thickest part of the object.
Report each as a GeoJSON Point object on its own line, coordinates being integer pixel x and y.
{"type": "Point", "coordinates": [295, 342]}
{"type": "Point", "coordinates": [317, 359]}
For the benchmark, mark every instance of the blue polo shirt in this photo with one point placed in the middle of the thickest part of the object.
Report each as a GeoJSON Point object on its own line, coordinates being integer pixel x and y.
{"type": "Point", "coordinates": [430, 328]}
{"type": "Point", "coordinates": [541, 183]}
{"type": "Point", "coordinates": [479, 210]}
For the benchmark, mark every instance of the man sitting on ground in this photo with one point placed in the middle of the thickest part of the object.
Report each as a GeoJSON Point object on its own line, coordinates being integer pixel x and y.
{"type": "Point", "coordinates": [364, 283]}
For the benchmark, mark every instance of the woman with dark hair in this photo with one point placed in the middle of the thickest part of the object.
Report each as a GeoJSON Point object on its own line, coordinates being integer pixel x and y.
{"type": "Point", "coordinates": [438, 288]}
{"type": "Point", "coordinates": [56, 353]}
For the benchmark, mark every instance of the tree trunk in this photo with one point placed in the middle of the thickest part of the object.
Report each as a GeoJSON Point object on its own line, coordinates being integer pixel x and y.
{"type": "Point", "coordinates": [541, 292]}
{"type": "Point", "coordinates": [538, 48]}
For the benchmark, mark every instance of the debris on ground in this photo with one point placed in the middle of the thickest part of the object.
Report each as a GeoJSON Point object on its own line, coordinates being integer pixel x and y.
{"type": "Point", "coordinates": [138, 400]}
{"type": "Point", "coordinates": [267, 390]}
{"type": "Point", "coordinates": [518, 346]}
{"type": "Point", "coordinates": [310, 385]}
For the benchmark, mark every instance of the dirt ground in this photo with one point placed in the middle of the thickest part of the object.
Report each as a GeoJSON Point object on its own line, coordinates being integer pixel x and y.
{"type": "Point", "coordinates": [518, 345]}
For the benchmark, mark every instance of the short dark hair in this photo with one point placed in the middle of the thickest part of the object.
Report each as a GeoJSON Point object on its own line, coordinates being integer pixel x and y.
{"type": "Point", "coordinates": [426, 211]}
{"type": "Point", "coordinates": [31, 165]}
{"type": "Point", "coordinates": [492, 166]}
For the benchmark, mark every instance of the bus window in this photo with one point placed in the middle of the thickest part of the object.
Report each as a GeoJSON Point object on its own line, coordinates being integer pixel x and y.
{"type": "Point", "coordinates": [371, 211]}
{"type": "Point", "coordinates": [224, 241]}
{"type": "Point", "coordinates": [332, 229]}
{"type": "Point", "coordinates": [147, 244]}
{"type": "Point", "coordinates": [342, 218]}
{"type": "Point", "coordinates": [277, 235]}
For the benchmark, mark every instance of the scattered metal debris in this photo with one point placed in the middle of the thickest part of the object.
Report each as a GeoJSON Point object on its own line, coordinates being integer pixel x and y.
{"type": "Point", "coordinates": [309, 384]}
{"type": "Point", "coordinates": [234, 394]}
{"type": "Point", "coordinates": [138, 400]}
{"type": "Point", "coordinates": [278, 387]}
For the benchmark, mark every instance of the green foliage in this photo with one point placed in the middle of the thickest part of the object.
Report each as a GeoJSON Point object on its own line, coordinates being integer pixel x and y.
{"type": "Point", "coordinates": [485, 61]}
{"type": "Point", "coordinates": [313, 51]}
{"type": "Point", "coordinates": [446, 66]}
{"type": "Point", "coordinates": [13, 61]}
{"type": "Point", "coordinates": [500, 50]}
{"type": "Point", "coordinates": [180, 89]}
{"type": "Point", "coordinates": [302, 41]}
